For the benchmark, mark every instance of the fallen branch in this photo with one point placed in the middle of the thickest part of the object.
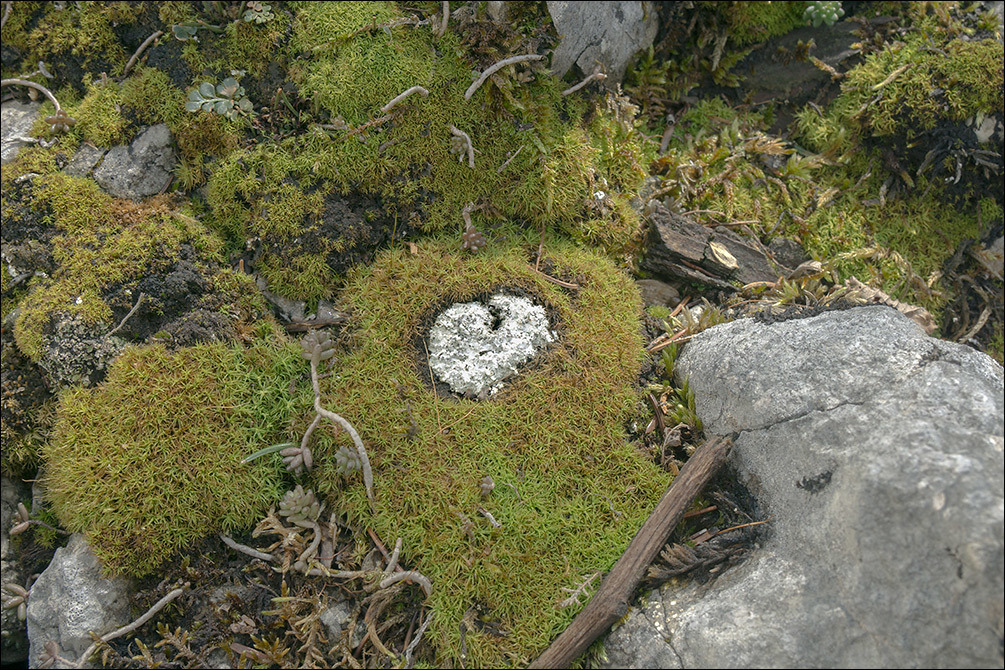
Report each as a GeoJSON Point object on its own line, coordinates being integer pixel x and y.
{"type": "Point", "coordinates": [446, 19]}
{"type": "Point", "coordinates": [116, 329]}
{"type": "Point", "coordinates": [508, 160]}
{"type": "Point", "coordinates": [245, 549]}
{"type": "Point", "coordinates": [418, 636]}
{"type": "Point", "coordinates": [495, 68]}
{"type": "Point", "coordinates": [554, 280]}
{"type": "Point", "coordinates": [596, 76]}
{"type": "Point", "coordinates": [158, 606]}
{"type": "Point", "coordinates": [611, 600]}
{"type": "Point", "coordinates": [410, 575]}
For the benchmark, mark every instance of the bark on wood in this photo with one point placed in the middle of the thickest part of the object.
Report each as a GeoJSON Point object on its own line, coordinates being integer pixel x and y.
{"type": "Point", "coordinates": [680, 248]}
{"type": "Point", "coordinates": [612, 598]}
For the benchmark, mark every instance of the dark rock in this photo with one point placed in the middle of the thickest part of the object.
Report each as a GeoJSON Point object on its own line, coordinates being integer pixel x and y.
{"type": "Point", "coordinates": [175, 291]}
{"type": "Point", "coordinates": [13, 631]}
{"type": "Point", "coordinates": [788, 253]}
{"type": "Point", "coordinates": [9, 56]}
{"type": "Point", "coordinates": [200, 325]}
{"type": "Point", "coordinates": [23, 390]}
{"type": "Point", "coordinates": [655, 292]}
{"type": "Point", "coordinates": [31, 256]}
{"type": "Point", "coordinates": [286, 308]}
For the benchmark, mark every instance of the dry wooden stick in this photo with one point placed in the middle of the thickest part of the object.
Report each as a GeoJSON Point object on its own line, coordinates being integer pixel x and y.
{"type": "Point", "coordinates": [611, 600]}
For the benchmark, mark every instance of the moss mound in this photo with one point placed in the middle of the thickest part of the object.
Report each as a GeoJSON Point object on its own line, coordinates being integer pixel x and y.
{"type": "Point", "coordinates": [570, 492]}
{"type": "Point", "coordinates": [149, 461]}
{"type": "Point", "coordinates": [536, 155]}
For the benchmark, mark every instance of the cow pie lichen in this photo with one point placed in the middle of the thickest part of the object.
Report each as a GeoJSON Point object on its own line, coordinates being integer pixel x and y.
{"type": "Point", "coordinates": [570, 491]}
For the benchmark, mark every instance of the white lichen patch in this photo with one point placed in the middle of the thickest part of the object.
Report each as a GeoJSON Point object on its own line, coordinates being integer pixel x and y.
{"type": "Point", "coordinates": [474, 347]}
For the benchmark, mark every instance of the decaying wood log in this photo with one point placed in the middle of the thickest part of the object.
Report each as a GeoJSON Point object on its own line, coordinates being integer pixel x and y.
{"type": "Point", "coordinates": [612, 598]}
{"type": "Point", "coordinates": [680, 248]}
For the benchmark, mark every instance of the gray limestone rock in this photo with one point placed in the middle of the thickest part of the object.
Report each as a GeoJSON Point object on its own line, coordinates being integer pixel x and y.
{"type": "Point", "coordinates": [16, 120]}
{"type": "Point", "coordinates": [607, 33]}
{"type": "Point", "coordinates": [141, 169]}
{"type": "Point", "coordinates": [474, 347]}
{"type": "Point", "coordinates": [84, 160]}
{"type": "Point", "coordinates": [656, 292]}
{"type": "Point", "coordinates": [71, 598]}
{"type": "Point", "coordinates": [877, 451]}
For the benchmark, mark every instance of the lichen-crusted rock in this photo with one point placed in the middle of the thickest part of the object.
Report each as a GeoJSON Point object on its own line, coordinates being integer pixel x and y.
{"type": "Point", "coordinates": [601, 32]}
{"type": "Point", "coordinates": [475, 347]}
{"type": "Point", "coordinates": [877, 452]}
{"type": "Point", "coordinates": [77, 353]}
{"type": "Point", "coordinates": [71, 599]}
{"type": "Point", "coordinates": [141, 169]}
{"type": "Point", "coordinates": [17, 120]}
{"type": "Point", "coordinates": [84, 160]}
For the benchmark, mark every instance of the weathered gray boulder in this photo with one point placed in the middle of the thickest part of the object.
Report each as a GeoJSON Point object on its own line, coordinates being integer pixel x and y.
{"type": "Point", "coordinates": [877, 451]}
{"type": "Point", "coordinates": [84, 160]}
{"type": "Point", "coordinates": [141, 169]}
{"type": "Point", "coordinates": [601, 33]}
{"type": "Point", "coordinates": [16, 120]}
{"type": "Point", "coordinates": [71, 598]}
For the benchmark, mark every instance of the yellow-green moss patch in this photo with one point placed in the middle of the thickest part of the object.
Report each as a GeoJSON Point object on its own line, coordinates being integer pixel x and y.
{"type": "Point", "coordinates": [149, 461]}
{"type": "Point", "coordinates": [570, 492]}
{"type": "Point", "coordinates": [103, 242]}
{"type": "Point", "coordinates": [536, 157]}
{"type": "Point", "coordinates": [728, 171]}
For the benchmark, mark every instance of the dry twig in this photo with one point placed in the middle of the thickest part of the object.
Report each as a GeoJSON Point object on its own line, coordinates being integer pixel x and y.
{"type": "Point", "coordinates": [158, 606]}
{"type": "Point", "coordinates": [139, 51]}
{"type": "Point", "coordinates": [445, 20]}
{"type": "Point", "coordinates": [596, 76]}
{"type": "Point", "coordinates": [34, 85]}
{"type": "Point", "coordinates": [492, 69]}
{"type": "Point", "coordinates": [394, 101]}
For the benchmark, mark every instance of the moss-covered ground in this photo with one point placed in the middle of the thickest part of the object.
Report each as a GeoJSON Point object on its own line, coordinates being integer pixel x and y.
{"type": "Point", "coordinates": [569, 490]}
{"type": "Point", "coordinates": [328, 195]}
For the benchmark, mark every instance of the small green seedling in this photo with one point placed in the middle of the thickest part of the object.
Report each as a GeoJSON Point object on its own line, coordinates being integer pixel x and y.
{"type": "Point", "coordinates": [823, 12]}
{"type": "Point", "coordinates": [226, 99]}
